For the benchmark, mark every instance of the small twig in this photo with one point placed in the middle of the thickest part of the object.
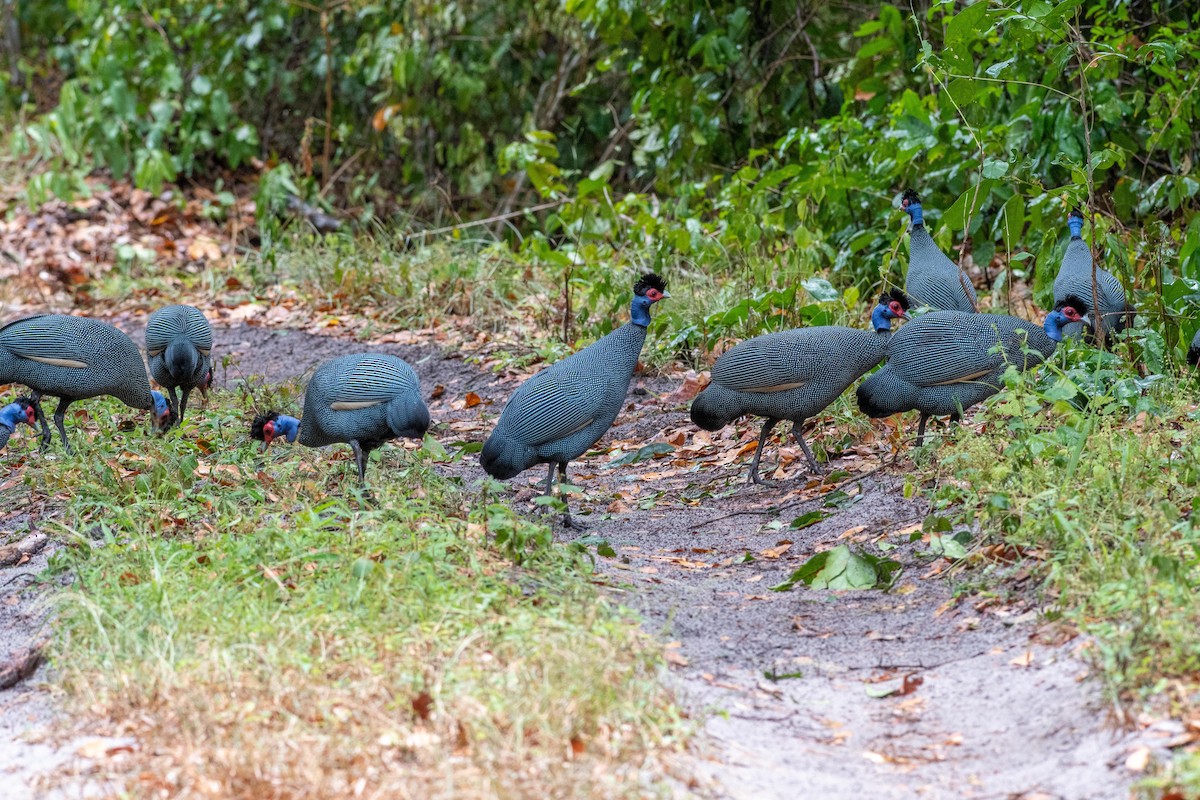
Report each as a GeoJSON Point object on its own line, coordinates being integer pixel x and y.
{"type": "Point", "coordinates": [13, 553]}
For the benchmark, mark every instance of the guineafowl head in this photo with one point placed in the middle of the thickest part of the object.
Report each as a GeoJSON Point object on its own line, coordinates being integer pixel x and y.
{"type": "Point", "coordinates": [1075, 223]}
{"type": "Point", "coordinates": [910, 201]}
{"type": "Point", "coordinates": [892, 305]}
{"type": "Point", "coordinates": [272, 425]}
{"type": "Point", "coordinates": [163, 416]}
{"type": "Point", "coordinates": [1070, 309]}
{"type": "Point", "coordinates": [1193, 356]}
{"type": "Point", "coordinates": [648, 290]}
{"type": "Point", "coordinates": [18, 411]}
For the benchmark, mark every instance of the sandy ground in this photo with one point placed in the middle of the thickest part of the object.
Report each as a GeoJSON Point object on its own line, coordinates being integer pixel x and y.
{"type": "Point", "coordinates": [988, 701]}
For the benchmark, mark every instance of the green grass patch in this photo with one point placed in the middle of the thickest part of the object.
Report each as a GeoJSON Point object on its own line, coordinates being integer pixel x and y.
{"type": "Point", "coordinates": [1095, 469]}
{"type": "Point", "coordinates": [266, 629]}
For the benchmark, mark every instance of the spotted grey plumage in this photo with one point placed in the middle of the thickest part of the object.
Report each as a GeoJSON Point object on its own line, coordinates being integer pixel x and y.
{"type": "Point", "coordinates": [179, 344]}
{"type": "Point", "coordinates": [933, 279]}
{"type": "Point", "coordinates": [1075, 278]}
{"type": "Point", "coordinates": [73, 358]}
{"type": "Point", "coordinates": [1193, 355]}
{"type": "Point", "coordinates": [793, 375]}
{"type": "Point", "coordinates": [556, 415]}
{"type": "Point", "coordinates": [944, 362]}
{"type": "Point", "coordinates": [364, 400]}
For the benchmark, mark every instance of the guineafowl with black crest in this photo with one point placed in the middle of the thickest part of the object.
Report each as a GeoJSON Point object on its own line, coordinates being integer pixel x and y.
{"type": "Point", "coordinates": [75, 358]}
{"type": "Point", "coordinates": [1193, 354]}
{"type": "Point", "coordinates": [1074, 279]}
{"type": "Point", "coordinates": [944, 362]}
{"type": "Point", "coordinates": [933, 279]}
{"type": "Point", "coordinates": [179, 344]}
{"type": "Point", "coordinates": [556, 415]}
{"type": "Point", "coordinates": [794, 375]}
{"type": "Point", "coordinates": [364, 400]}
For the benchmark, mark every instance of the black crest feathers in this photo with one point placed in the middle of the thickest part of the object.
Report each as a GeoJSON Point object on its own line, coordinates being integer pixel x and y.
{"type": "Point", "coordinates": [1074, 301]}
{"type": "Point", "coordinates": [649, 281]}
{"type": "Point", "coordinates": [894, 294]}
{"type": "Point", "coordinates": [909, 197]}
{"type": "Point", "coordinates": [256, 427]}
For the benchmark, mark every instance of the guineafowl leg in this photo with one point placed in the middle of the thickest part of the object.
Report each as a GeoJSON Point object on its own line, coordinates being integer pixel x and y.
{"type": "Point", "coordinates": [183, 402]}
{"type": "Point", "coordinates": [174, 401]}
{"type": "Point", "coordinates": [549, 480]}
{"type": "Point", "coordinates": [812, 460]}
{"type": "Point", "coordinates": [568, 520]}
{"type": "Point", "coordinates": [921, 429]}
{"type": "Point", "coordinates": [59, 414]}
{"type": "Point", "coordinates": [762, 439]}
{"type": "Point", "coordinates": [40, 416]}
{"type": "Point", "coordinates": [360, 458]}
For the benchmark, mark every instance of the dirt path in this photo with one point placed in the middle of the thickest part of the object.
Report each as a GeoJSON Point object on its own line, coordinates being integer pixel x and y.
{"type": "Point", "coordinates": [996, 709]}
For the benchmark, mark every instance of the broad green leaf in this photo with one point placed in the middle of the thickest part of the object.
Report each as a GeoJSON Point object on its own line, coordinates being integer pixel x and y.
{"type": "Point", "coordinates": [821, 290]}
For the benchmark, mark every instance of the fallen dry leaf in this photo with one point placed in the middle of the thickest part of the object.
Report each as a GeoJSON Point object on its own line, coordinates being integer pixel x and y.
{"type": "Point", "coordinates": [776, 551]}
{"type": "Point", "coordinates": [1139, 759]}
{"type": "Point", "coordinates": [1023, 660]}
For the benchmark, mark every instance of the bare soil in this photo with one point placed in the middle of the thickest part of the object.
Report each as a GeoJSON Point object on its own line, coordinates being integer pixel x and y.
{"type": "Point", "coordinates": [989, 702]}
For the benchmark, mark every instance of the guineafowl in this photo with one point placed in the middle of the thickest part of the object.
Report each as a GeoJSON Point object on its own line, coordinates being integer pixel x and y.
{"type": "Point", "coordinates": [944, 362]}
{"type": "Point", "coordinates": [793, 375]}
{"type": "Point", "coordinates": [1075, 279]}
{"type": "Point", "coordinates": [179, 346]}
{"type": "Point", "coordinates": [12, 415]}
{"type": "Point", "coordinates": [1193, 355]}
{"type": "Point", "coordinates": [555, 416]}
{"type": "Point", "coordinates": [74, 358]}
{"type": "Point", "coordinates": [933, 279]}
{"type": "Point", "coordinates": [364, 400]}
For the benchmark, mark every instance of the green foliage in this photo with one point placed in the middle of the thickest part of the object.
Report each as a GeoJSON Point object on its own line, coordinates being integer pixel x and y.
{"type": "Point", "coordinates": [1087, 463]}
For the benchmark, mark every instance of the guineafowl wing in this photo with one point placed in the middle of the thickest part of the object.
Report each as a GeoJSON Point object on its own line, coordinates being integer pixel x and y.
{"type": "Point", "coordinates": [44, 338]}
{"type": "Point", "coordinates": [371, 380]}
{"type": "Point", "coordinates": [167, 323]}
{"type": "Point", "coordinates": [946, 347]}
{"type": "Point", "coordinates": [556, 403]}
{"type": "Point", "coordinates": [772, 363]}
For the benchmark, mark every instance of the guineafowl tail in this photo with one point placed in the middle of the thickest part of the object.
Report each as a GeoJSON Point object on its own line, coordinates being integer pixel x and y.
{"type": "Point", "coordinates": [884, 394]}
{"type": "Point", "coordinates": [715, 407]}
{"type": "Point", "coordinates": [505, 458]}
{"type": "Point", "coordinates": [182, 358]}
{"type": "Point", "coordinates": [407, 416]}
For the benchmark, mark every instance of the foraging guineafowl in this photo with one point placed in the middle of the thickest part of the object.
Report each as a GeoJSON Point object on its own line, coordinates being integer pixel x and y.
{"type": "Point", "coordinates": [933, 279]}
{"type": "Point", "coordinates": [364, 400]}
{"type": "Point", "coordinates": [74, 358]}
{"type": "Point", "coordinates": [942, 363]}
{"type": "Point", "coordinates": [793, 375]}
{"type": "Point", "coordinates": [179, 344]}
{"type": "Point", "coordinates": [555, 416]}
{"type": "Point", "coordinates": [12, 415]}
{"type": "Point", "coordinates": [1075, 279]}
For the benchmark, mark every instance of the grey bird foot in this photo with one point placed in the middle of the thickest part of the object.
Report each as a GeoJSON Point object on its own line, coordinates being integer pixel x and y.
{"type": "Point", "coordinates": [572, 524]}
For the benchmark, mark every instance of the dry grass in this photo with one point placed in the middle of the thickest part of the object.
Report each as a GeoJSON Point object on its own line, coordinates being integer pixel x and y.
{"type": "Point", "coordinates": [269, 633]}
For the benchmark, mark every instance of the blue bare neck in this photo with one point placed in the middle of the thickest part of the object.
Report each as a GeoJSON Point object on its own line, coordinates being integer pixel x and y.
{"type": "Point", "coordinates": [1076, 225]}
{"type": "Point", "coordinates": [1053, 325]}
{"type": "Point", "coordinates": [639, 310]}
{"type": "Point", "coordinates": [287, 427]}
{"type": "Point", "coordinates": [914, 211]}
{"type": "Point", "coordinates": [11, 415]}
{"type": "Point", "coordinates": [881, 319]}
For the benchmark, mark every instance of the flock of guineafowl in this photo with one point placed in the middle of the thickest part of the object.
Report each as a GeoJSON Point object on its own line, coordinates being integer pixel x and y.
{"type": "Point", "coordinates": [939, 363]}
